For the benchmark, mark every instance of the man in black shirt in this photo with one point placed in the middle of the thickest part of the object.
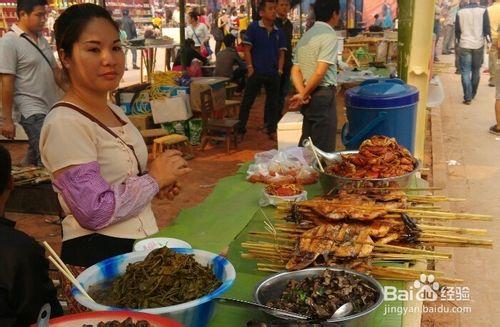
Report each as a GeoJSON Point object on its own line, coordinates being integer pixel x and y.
{"type": "Point", "coordinates": [25, 285]}
{"type": "Point", "coordinates": [188, 53]}
{"type": "Point", "coordinates": [282, 21]}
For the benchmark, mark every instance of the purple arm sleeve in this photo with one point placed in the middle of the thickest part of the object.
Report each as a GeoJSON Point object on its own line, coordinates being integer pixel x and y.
{"type": "Point", "coordinates": [95, 204]}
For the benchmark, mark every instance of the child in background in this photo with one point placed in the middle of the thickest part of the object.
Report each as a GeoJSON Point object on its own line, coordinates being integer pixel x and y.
{"type": "Point", "coordinates": [240, 47]}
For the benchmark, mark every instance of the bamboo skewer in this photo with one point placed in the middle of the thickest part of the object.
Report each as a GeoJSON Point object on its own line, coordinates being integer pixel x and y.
{"type": "Point", "coordinates": [71, 278]}
{"type": "Point", "coordinates": [457, 230]}
{"type": "Point", "coordinates": [385, 249]}
{"type": "Point", "coordinates": [418, 213]}
{"type": "Point", "coordinates": [430, 188]}
{"type": "Point", "coordinates": [316, 155]}
{"type": "Point", "coordinates": [59, 264]}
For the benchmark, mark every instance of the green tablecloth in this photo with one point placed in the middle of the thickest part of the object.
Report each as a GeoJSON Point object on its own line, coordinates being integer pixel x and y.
{"type": "Point", "coordinates": [225, 218]}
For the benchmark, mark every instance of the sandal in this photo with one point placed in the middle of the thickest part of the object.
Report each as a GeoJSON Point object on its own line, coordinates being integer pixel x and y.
{"type": "Point", "coordinates": [494, 130]}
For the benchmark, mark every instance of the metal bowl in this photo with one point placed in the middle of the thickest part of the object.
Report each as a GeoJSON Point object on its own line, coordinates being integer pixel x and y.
{"type": "Point", "coordinates": [331, 182]}
{"type": "Point", "coordinates": [272, 287]}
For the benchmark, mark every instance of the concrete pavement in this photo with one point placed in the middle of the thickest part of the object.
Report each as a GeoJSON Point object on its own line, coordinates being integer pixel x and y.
{"type": "Point", "coordinates": [466, 161]}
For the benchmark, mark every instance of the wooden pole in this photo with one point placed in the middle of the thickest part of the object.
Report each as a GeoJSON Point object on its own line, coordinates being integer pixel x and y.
{"type": "Point", "coordinates": [182, 29]}
{"type": "Point", "coordinates": [300, 18]}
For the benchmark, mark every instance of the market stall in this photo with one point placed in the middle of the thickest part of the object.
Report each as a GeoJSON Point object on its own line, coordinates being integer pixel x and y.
{"type": "Point", "coordinates": [375, 219]}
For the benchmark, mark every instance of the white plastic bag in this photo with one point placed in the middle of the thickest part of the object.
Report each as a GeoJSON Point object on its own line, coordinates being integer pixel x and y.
{"type": "Point", "coordinates": [288, 166]}
{"type": "Point", "coordinates": [169, 109]}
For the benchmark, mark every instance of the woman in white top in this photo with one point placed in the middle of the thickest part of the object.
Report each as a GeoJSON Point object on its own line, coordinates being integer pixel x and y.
{"type": "Point", "coordinates": [197, 31]}
{"type": "Point", "coordinates": [97, 158]}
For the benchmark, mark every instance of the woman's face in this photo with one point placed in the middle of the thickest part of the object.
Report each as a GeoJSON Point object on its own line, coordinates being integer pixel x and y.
{"type": "Point", "coordinates": [98, 61]}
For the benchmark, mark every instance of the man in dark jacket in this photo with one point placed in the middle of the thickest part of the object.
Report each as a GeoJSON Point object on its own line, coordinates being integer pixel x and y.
{"type": "Point", "coordinates": [129, 28]}
{"type": "Point", "coordinates": [25, 285]}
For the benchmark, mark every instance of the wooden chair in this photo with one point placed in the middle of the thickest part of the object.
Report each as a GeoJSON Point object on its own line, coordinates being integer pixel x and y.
{"type": "Point", "coordinates": [232, 108]}
{"type": "Point", "coordinates": [215, 129]}
{"type": "Point", "coordinates": [172, 141]}
{"type": "Point", "coordinates": [230, 89]}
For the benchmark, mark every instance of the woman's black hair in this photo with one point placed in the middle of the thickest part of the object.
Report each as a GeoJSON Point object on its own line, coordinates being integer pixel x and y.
{"type": "Point", "coordinates": [229, 40]}
{"type": "Point", "coordinates": [71, 23]}
{"type": "Point", "coordinates": [324, 9]}
{"type": "Point", "coordinates": [194, 15]}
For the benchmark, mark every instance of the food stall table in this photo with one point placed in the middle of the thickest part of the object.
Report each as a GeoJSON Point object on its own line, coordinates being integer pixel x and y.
{"type": "Point", "coordinates": [233, 208]}
{"type": "Point", "coordinates": [148, 57]}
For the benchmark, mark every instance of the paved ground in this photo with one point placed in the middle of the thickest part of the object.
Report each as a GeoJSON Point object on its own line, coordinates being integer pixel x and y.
{"type": "Point", "coordinates": [460, 134]}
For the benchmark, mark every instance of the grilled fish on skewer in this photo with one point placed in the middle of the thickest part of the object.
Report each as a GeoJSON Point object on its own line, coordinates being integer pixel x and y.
{"type": "Point", "coordinates": [339, 240]}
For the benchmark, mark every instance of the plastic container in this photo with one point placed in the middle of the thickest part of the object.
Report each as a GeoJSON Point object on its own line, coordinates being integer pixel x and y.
{"type": "Point", "coordinates": [380, 107]}
{"type": "Point", "coordinates": [195, 313]}
{"type": "Point", "coordinates": [289, 130]}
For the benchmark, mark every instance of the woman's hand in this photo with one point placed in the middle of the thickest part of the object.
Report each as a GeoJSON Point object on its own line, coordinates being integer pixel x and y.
{"type": "Point", "coordinates": [166, 168]}
{"type": "Point", "coordinates": [170, 193]}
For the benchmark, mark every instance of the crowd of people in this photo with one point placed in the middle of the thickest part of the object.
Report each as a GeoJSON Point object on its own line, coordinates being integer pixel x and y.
{"type": "Point", "coordinates": [469, 29]}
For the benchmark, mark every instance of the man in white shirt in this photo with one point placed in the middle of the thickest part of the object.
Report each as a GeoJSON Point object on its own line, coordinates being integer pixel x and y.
{"type": "Point", "coordinates": [29, 75]}
{"type": "Point", "coordinates": [472, 26]}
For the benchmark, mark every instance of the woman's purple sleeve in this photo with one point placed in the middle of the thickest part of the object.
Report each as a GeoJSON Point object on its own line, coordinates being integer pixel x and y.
{"type": "Point", "coordinates": [95, 203]}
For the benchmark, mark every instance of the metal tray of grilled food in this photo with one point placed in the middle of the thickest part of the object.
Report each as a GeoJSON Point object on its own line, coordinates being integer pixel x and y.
{"type": "Point", "coordinates": [272, 287]}
{"type": "Point", "coordinates": [330, 183]}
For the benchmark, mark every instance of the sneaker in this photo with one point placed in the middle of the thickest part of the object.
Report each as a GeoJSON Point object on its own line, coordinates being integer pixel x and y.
{"type": "Point", "coordinates": [494, 130]}
{"type": "Point", "coordinates": [136, 67]}
{"type": "Point", "coordinates": [466, 102]}
{"type": "Point", "coordinates": [490, 84]}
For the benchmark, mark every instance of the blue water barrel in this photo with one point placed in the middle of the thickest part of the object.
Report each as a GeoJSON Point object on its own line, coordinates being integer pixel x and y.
{"type": "Point", "coordinates": [380, 107]}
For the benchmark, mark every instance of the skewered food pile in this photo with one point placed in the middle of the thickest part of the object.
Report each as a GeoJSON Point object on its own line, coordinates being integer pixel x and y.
{"type": "Point", "coordinates": [320, 296]}
{"type": "Point", "coordinates": [283, 190]}
{"type": "Point", "coordinates": [126, 323]}
{"type": "Point", "coordinates": [164, 278]}
{"type": "Point", "coordinates": [359, 226]}
{"type": "Point", "coordinates": [378, 157]}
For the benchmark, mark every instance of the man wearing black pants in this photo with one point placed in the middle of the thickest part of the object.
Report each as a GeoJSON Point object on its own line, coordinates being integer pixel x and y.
{"type": "Point", "coordinates": [314, 75]}
{"type": "Point", "coordinates": [282, 21]}
{"type": "Point", "coordinates": [265, 48]}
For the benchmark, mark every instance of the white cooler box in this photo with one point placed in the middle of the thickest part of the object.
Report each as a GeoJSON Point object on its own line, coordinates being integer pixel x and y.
{"type": "Point", "coordinates": [289, 130]}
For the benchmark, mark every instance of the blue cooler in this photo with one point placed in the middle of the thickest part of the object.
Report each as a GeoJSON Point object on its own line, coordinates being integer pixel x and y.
{"type": "Point", "coordinates": [380, 107]}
